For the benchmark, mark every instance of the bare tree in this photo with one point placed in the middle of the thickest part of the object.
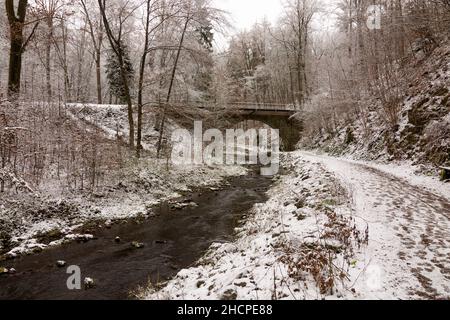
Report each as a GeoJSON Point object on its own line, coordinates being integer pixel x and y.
{"type": "Point", "coordinates": [116, 43]}
{"type": "Point", "coordinates": [18, 43]}
{"type": "Point", "coordinates": [188, 19]}
{"type": "Point", "coordinates": [96, 33]}
{"type": "Point", "coordinates": [49, 10]}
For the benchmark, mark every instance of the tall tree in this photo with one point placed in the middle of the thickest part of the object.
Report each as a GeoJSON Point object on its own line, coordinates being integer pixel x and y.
{"type": "Point", "coordinates": [116, 43]}
{"type": "Point", "coordinates": [188, 19]}
{"type": "Point", "coordinates": [142, 66]}
{"type": "Point", "coordinates": [18, 44]}
{"type": "Point", "coordinates": [114, 73]}
{"type": "Point", "coordinates": [49, 10]}
{"type": "Point", "coordinates": [96, 33]}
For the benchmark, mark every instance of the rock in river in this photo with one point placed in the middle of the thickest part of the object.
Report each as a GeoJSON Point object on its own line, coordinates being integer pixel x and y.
{"type": "Point", "coordinates": [89, 283]}
{"type": "Point", "coordinates": [137, 245]}
{"type": "Point", "coordinates": [61, 263]}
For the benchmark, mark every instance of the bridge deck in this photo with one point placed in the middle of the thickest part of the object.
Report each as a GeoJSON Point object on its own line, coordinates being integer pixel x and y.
{"type": "Point", "coordinates": [263, 106]}
{"type": "Point", "coordinates": [240, 106]}
{"type": "Point", "coordinates": [247, 107]}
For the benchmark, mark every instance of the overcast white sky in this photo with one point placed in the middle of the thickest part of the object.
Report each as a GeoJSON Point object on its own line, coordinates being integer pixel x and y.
{"type": "Point", "coordinates": [245, 13]}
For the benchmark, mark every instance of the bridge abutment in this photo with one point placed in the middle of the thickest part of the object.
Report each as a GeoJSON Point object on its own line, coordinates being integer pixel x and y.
{"type": "Point", "coordinates": [290, 129]}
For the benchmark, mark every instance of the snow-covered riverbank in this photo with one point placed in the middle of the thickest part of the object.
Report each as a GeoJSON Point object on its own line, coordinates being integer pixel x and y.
{"type": "Point", "coordinates": [57, 210]}
{"type": "Point", "coordinates": [30, 223]}
{"type": "Point", "coordinates": [298, 245]}
{"type": "Point", "coordinates": [332, 229]}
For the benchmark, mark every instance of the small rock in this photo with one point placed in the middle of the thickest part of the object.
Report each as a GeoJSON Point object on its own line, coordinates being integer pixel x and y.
{"type": "Point", "coordinates": [137, 245]}
{"type": "Point", "coordinates": [241, 284]}
{"type": "Point", "coordinates": [10, 255]}
{"type": "Point", "coordinates": [300, 203]}
{"type": "Point", "coordinates": [89, 283]}
{"type": "Point", "coordinates": [98, 195]}
{"type": "Point", "coordinates": [3, 270]}
{"type": "Point", "coordinates": [230, 294]}
{"type": "Point", "coordinates": [61, 263]}
{"type": "Point", "coordinates": [192, 204]}
{"type": "Point", "coordinates": [12, 271]}
{"type": "Point", "coordinates": [117, 239]}
{"type": "Point", "coordinates": [229, 248]}
{"type": "Point", "coordinates": [79, 237]}
{"type": "Point", "coordinates": [37, 250]}
{"type": "Point", "coordinates": [180, 206]}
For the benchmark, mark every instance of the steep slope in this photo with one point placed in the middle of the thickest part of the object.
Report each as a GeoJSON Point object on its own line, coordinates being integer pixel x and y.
{"type": "Point", "coordinates": [422, 132]}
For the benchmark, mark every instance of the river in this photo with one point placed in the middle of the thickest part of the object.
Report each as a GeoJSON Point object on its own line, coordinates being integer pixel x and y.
{"type": "Point", "coordinates": [175, 239]}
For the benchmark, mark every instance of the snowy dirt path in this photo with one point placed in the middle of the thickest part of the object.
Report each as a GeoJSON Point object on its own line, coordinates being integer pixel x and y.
{"type": "Point", "coordinates": [409, 230]}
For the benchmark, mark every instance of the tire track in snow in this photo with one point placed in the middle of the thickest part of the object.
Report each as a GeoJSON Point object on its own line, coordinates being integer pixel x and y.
{"type": "Point", "coordinates": [409, 229]}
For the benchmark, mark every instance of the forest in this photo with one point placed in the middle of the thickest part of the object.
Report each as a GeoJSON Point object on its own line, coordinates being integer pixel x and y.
{"type": "Point", "coordinates": [91, 92]}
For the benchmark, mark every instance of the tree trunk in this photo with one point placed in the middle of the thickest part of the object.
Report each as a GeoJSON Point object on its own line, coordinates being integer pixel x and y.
{"type": "Point", "coordinates": [98, 63]}
{"type": "Point", "coordinates": [117, 48]}
{"type": "Point", "coordinates": [362, 66]}
{"type": "Point", "coordinates": [16, 25]}
{"type": "Point", "coordinates": [48, 50]}
{"type": "Point", "coordinates": [15, 63]}
{"type": "Point", "coordinates": [67, 86]}
{"type": "Point", "coordinates": [48, 58]}
{"type": "Point", "coordinates": [98, 73]}
{"type": "Point", "coordinates": [97, 42]}
{"type": "Point", "coordinates": [141, 82]}
{"type": "Point", "coordinates": [172, 79]}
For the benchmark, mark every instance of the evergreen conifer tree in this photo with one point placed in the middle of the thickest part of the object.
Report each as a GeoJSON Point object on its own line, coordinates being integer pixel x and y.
{"type": "Point", "coordinates": [113, 73]}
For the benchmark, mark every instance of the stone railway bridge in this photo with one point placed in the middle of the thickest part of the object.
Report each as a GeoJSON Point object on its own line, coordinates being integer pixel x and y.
{"type": "Point", "coordinates": [276, 116]}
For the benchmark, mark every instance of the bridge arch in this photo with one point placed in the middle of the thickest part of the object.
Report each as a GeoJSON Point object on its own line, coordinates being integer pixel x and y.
{"type": "Point", "coordinates": [275, 116]}
{"type": "Point", "coordinates": [290, 129]}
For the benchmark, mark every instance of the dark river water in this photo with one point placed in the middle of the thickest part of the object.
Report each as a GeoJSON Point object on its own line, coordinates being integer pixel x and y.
{"type": "Point", "coordinates": [174, 240]}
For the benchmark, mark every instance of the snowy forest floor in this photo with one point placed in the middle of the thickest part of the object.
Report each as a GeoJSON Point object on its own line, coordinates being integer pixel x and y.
{"type": "Point", "coordinates": [333, 228]}
{"type": "Point", "coordinates": [53, 213]}
{"type": "Point", "coordinates": [31, 223]}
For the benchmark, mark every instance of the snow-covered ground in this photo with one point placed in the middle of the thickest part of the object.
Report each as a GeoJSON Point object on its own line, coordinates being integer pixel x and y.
{"type": "Point", "coordinates": [33, 221]}
{"type": "Point", "coordinates": [332, 229]}
{"type": "Point", "coordinates": [405, 170]}
{"type": "Point", "coordinates": [408, 218]}
{"type": "Point", "coordinates": [113, 121]}
{"type": "Point", "coordinates": [27, 220]}
{"type": "Point", "coordinates": [300, 244]}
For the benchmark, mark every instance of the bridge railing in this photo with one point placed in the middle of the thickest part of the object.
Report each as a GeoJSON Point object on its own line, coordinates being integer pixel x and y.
{"type": "Point", "coordinates": [254, 106]}
{"type": "Point", "coordinates": [262, 106]}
